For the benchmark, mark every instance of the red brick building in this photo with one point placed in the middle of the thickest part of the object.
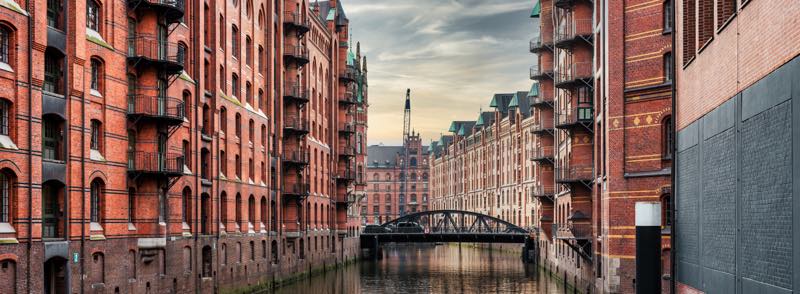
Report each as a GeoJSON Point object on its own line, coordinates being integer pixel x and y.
{"type": "Point", "coordinates": [736, 110]}
{"type": "Point", "coordinates": [390, 194]}
{"type": "Point", "coordinates": [171, 146]}
{"type": "Point", "coordinates": [597, 139]}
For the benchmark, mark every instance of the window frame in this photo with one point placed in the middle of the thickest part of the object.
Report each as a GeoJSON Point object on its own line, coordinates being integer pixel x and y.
{"type": "Point", "coordinates": [94, 16]}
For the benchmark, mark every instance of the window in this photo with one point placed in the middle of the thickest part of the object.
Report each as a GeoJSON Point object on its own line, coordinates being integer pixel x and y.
{"type": "Point", "coordinates": [53, 139]}
{"type": "Point", "coordinates": [705, 22]}
{"type": "Point", "coordinates": [206, 120]}
{"type": "Point", "coordinates": [187, 153]}
{"type": "Point", "coordinates": [235, 41]}
{"type": "Point", "coordinates": [221, 32]}
{"type": "Point", "coordinates": [131, 204]}
{"type": "Point", "coordinates": [205, 167]}
{"type": "Point", "coordinates": [261, 60]}
{"type": "Point", "coordinates": [669, 139]}
{"type": "Point", "coordinates": [251, 209]}
{"type": "Point", "coordinates": [238, 125]}
{"type": "Point", "coordinates": [248, 51]}
{"type": "Point", "coordinates": [667, 13]}
{"type": "Point", "coordinates": [223, 210]}
{"type": "Point", "coordinates": [96, 72]}
{"type": "Point", "coordinates": [238, 163]}
{"type": "Point", "coordinates": [248, 93]}
{"type": "Point", "coordinates": [223, 120]}
{"type": "Point", "coordinates": [93, 16]}
{"type": "Point", "coordinates": [235, 85]}
{"type": "Point", "coordinates": [96, 192]}
{"type": "Point", "coordinates": [666, 211]}
{"type": "Point", "coordinates": [6, 186]}
{"type": "Point", "coordinates": [263, 134]}
{"type": "Point", "coordinates": [252, 131]}
{"type": "Point", "coordinates": [264, 217]}
{"type": "Point", "coordinates": [668, 67]}
{"type": "Point", "coordinates": [238, 208]}
{"type": "Point", "coordinates": [5, 41]}
{"type": "Point", "coordinates": [54, 14]}
{"type": "Point", "coordinates": [223, 163]}
{"type": "Point", "coordinates": [186, 202]}
{"type": "Point", "coordinates": [183, 56]}
{"type": "Point", "coordinates": [96, 133]}
{"type": "Point", "coordinates": [53, 64]}
{"type": "Point", "coordinates": [5, 115]}
{"type": "Point", "coordinates": [207, 262]}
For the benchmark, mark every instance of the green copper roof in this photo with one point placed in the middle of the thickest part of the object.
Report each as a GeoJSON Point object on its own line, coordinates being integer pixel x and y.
{"type": "Point", "coordinates": [494, 102]}
{"type": "Point", "coordinates": [332, 14]}
{"type": "Point", "coordinates": [537, 9]}
{"type": "Point", "coordinates": [534, 92]}
{"type": "Point", "coordinates": [514, 102]}
{"type": "Point", "coordinates": [453, 127]}
{"type": "Point", "coordinates": [461, 132]}
{"type": "Point", "coordinates": [479, 122]}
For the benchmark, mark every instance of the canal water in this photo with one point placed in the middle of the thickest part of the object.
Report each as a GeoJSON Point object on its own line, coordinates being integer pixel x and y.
{"type": "Point", "coordinates": [431, 269]}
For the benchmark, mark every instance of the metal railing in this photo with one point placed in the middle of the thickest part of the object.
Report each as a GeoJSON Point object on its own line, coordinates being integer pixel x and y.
{"type": "Point", "coordinates": [542, 152]}
{"type": "Point", "coordinates": [295, 19]}
{"type": "Point", "coordinates": [301, 189]}
{"type": "Point", "coordinates": [540, 190]}
{"type": "Point", "coordinates": [348, 97]}
{"type": "Point", "coordinates": [573, 29]}
{"type": "Point", "coordinates": [295, 51]}
{"type": "Point", "coordinates": [349, 74]}
{"type": "Point", "coordinates": [578, 115]}
{"type": "Point", "coordinates": [542, 124]}
{"type": "Point", "coordinates": [572, 230]}
{"type": "Point", "coordinates": [152, 48]}
{"type": "Point", "coordinates": [347, 127]}
{"type": "Point", "coordinates": [294, 89]}
{"type": "Point", "coordinates": [298, 156]}
{"type": "Point", "coordinates": [154, 106]}
{"type": "Point", "coordinates": [574, 173]}
{"type": "Point", "coordinates": [155, 162]}
{"type": "Point", "coordinates": [295, 124]}
{"type": "Point", "coordinates": [574, 71]}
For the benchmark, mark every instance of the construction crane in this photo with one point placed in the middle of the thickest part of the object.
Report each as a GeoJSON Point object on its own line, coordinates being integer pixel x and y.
{"type": "Point", "coordinates": [404, 163]}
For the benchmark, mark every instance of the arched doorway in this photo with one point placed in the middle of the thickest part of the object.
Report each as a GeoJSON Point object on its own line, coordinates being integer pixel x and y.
{"type": "Point", "coordinates": [55, 276]}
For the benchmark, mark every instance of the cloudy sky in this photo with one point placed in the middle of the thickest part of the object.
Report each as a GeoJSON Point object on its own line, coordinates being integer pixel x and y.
{"type": "Point", "coordinates": [453, 54]}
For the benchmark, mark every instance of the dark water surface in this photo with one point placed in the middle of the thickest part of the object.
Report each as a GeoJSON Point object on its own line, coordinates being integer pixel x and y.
{"type": "Point", "coordinates": [432, 269]}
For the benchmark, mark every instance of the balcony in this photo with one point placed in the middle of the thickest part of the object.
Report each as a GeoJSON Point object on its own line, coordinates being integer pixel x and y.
{"type": "Point", "coordinates": [171, 10]}
{"type": "Point", "coordinates": [297, 190]}
{"type": "Point", "coordinates": [565, 4]}
{"type": "Point", "coordinates": [347, 128]}
{"type": "Point", "coordinates": [350, 75]}
{"type": "Point", "coordinates": [294, 91]}
{"type": "Point", "coordinates": [574, 75]}
{"type": "Point", "coordinates": [574, 174]}
{"type": "Point", "coordinates": [542, 191]}
{"type": "Point", "coordinates": [297, 54]}
{"type": "Point", "coordinates": [299, 158]}
{"type": "Point", "coordinates": [572, 231]}
{"type": "Point", "coordinates": [347, 175]}
{"type": "Point", "coordinates": [154, 163]}
{"type": "Point", "coordinates": [347, 151]}
{"type": "Point", "coordinates": [538, 74]}
{"type": "Point", "coordinates": [168, 110]}
{"type": "Point", "coordinates": [542, 125]}
{"type": "Point", "coordinates": [544, 100]}
{"type": "Point", "coordinates": [543, 154]}
{"type": "Point", "coordinates": [348, 98]}
{"type": "Point", "coordinates": [295, 126]}
{"type": "Point", "coordinates": [294, 20]}
{"type": "Point", "coordinates": [580, 117]}
{"type": "Point", "coordinates": [573, 32]}
{"type": "Point", "coordinates": [538, 44]}
{"type": "Point", "coordinates": [149, 51]}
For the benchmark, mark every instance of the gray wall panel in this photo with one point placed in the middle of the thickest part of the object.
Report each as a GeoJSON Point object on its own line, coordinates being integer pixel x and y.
{"type": "Point", "coordinates": [718, 213]}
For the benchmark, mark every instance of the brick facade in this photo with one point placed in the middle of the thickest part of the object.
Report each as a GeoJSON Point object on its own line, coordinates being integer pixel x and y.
{"type": "Point", "coordinates": [174, 146]}
{"type": "Point", "coordinates": [386, 181]}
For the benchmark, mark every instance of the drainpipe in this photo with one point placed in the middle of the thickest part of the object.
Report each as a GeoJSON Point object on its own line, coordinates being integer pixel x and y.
{"type": "Point", "coordinates": [30, 149]}
{"type": "Point", "coordinates": [674, 155]}
{"type": "Point", "coordinates": [193, 142]}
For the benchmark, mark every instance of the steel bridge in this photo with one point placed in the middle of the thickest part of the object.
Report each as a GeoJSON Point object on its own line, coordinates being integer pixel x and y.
{"type": "Point", "coordinates": [444, 226]}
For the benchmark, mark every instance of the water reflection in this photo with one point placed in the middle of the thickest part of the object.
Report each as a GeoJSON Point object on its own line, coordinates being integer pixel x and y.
{"type": "Point", "coordinates": [432, 269]}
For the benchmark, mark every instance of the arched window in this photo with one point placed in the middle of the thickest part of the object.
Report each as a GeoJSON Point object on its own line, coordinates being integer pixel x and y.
{"type": "Point", "coordinates": [183, 54]}
{"type": "Point", "coordinates": [186, 211]}
{"type": "Point", "coordinates": [187, 104]}
{"type": "Point", "coordinates": [249, 9]}
{"type": "Point", "coordinates": [251, 128]}
{"type": "Point", "coordinates": [96, 142]}
{"type": "Point", "coordinates": [248, 93]}
{"type": "Point", "coordinates": [187, 153]}
{"type": "Point", "coordinates": [97, 76]}
{"type": "Point", "coordinates": [223, 210]}
{"type": "Point", "coordinates": [238, 209]}
{"type": "Point", "coordinates": [667, 137]}
{"type": "Point", "coordinates": [274, 252]}
{"type": "Point", "coordinates": [264, 136]}
{"type": "Point", "coordinates": [205, 164]}
{"type": "Point", "coordinates": [248, 50]}
{"type": "Point", "coordinates": [238, 125]}
{"type": "Point", "coordinates": [251, 209]}
{"type": "Point", "coordinates": [235, 90]}
{"type": "Point", "coordinates": [7, 179]}
{"type": "Point", "coordinates": [263, 213]}
{"type": "Point", "coordinates": [97, 190]}
{"type": "Point", "coordinates": [207, 261]}
{"type": "Point", "coordinates": [234, 41]}
{"type": "Point", "coordinates": [222, 32]}
{"type": "Point", "coordinates": [206, 120]}
{"type": "Point", "coordinates": [223, 120]}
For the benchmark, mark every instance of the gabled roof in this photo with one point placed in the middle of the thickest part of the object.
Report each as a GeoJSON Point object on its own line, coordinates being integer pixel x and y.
{"type": "Point", "coordinates": [534, 92]}
{"type": "Point", "coordinates": [466, 128]}
{"type": "Point", "coordinates": [485, 119]}
{"type": "Point", "coordinates": [455, 126]}
{"type": "Point", "coordinates": [522, 102]}
{"type": "Point", "coordinates": [500, 102]}
{"type": "Point", "coordinates": [537, 9]}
